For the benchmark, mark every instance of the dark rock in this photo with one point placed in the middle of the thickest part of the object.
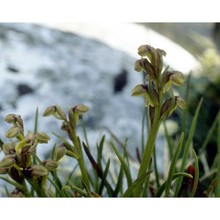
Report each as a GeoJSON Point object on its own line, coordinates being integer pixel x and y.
{"type": "Point", "coordinates": [24, 89]}
{"type": "Point", "coordinates": [120, 81]}
{"type": "Point", "coordinates": [12, 69]}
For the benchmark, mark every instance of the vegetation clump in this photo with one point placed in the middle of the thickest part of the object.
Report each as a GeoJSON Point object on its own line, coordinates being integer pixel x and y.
{"type": "Point", "coordinates": [31, 177]}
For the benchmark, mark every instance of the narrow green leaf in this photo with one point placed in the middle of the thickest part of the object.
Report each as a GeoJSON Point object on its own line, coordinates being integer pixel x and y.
{"type": "Point", "coordinates": [56, 178]}
{"type": "Point", "coordinates": [175, 176]}
{"type": "Point", "coordinates": [119, 184]}
{"type": "Point", "coordinates": [155, 168]}
{"type": "Point", "coordinates": [71, 174]}
{"type": "Point", "coordinates": [173, 164]}
{"type": "Point", "coordinates": [57, 188]}
{"type": "Point", "coordinates": [100, 150]}
{"type": "Point", "coordinates": [36, 121]}
{"type": "Point", "coordinates": [80, 191]}
{"type": "Point", "coordinates": [186, 98]}
{"type": "Point", "coordinates": [104, 180]}
{"type": "Point", "coordinates": [92, 161]}
{"type": "Point", "coordinates": [145, 189]}
{"type": "Point", "coordinates": [139, 181]}
{"type": "Point", "coordinates": [217, 188]}
{"type": "Point", "coordinates": [145, 123]}
{"type": "Point", "coordinates": [187, 145]}
{"type": "Point", "coordinates": [209, 134]}
{"type": "Point", "coordinates": [84, 131]}
{"type": "Point", "coordinates": [17, 185]}
{"type": "Point", "coordinates": [196, 177]}
{"type": "Point", "coordinates": [169, 140]}
{"type": "Point", "coordinates": [6, 191]}
{"type": "Point", "coordinates": [123, 164]}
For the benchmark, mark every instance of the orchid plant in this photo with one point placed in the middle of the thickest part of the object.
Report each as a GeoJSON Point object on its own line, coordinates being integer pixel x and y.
{"type": "Point", "coordinates": [30, 176]}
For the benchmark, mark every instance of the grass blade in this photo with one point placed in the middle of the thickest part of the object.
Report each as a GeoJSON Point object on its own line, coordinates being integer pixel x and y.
{"type": "Point", "coordinates": [36, 121]}
{"type": "Point", "coordinates": [84, 131]}
{"type": "Point", "coordinates": [100, 150]}
{"type": "Point", "coordinates": [187, 145]}
{"type": "Point", "coordinates": [123, 164]}
{"type": "Point", "coordinates": [169, 140]}
{"type": "Point", "coordinates": [71, 174]}
{"type": "Point", "coordinates": [92, 161]}
{"type": "Point", "coordinates": [119, 184]}
{"type": "Point", "coordinates": [155, 168]}
{"type": "Point", "coordinates": [17, 185]}
{"type": "Point", "coordinates": [196, 177]}
{"type": "Point", "coordinates": [104, 181]}
{"type": "Point", "coordinates": [209, 134]}
{"type": "Point", "coordinates": [6, 191]}
{"type": "Point", "coordinates": [175, 176]}
{"type": "Point", "coordinates": [186, 98]}
{"type": "Point", "coordinates": [173, 164]}
{"type": "Point", "coordinates": [217, 188]}
{"type": "Point", "coordinates": [56, 187]}
{"type": "Point", "coordinates": [139, 181]}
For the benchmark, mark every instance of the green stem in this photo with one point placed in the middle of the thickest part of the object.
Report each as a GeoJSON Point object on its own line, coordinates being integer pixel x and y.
{"type": "Point", "coordinates": [81, 162]}
{"type": "Point", "coordinates": [149, 148]}
{"type": "Point", "coordinates": [38, 188]}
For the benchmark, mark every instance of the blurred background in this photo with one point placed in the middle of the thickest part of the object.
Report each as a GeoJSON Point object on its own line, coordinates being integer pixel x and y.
{"type": "Point", "coordinates": [92, 63]}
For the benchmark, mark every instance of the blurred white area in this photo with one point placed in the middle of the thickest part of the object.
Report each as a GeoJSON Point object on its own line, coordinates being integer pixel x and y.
{"type": "Point", "coordinates": [128, 37]}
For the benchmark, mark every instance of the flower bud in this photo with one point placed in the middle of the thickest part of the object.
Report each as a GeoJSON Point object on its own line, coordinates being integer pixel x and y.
{"type": "Point", "coordinates": [10, 118]}
{"type": "Point", "coordinates": [180, 102]}
{"type": "Point", "coordinates": [168, 107]}
{"type": "Point", "coordinates": [9, 148]}
{"type": "Point", "coordinates": [143, 89]}
{"type": "Point", "coordinates": [30, 137]}
{"type": "Point", "coordinates": [154, 56]}
{"type": "Point", "coordinates": [37, 170]}
{"type": "Point", "coordinates": [60, 112]}
{"type": "Point", "coordinates": [139, 90]}
{"type": "Point", "coordinates": [153, 95]}
{"type": "Point", "coordinates": [7, 161]}
{"type": "Point", "coordinates": [15, 119]}
{"type": "Point", "coordinates": [177, 78]}
{"type": "Point", "coordinates": [13, 132]}
{"type": "Point", "coordinates": [19, 122]}
{"type": "Point", "coordinates": [149, 69]}
{"type": "Point", "coordinates": [73, 120]}
{"type": "Point", "coordinates": [42, 137]}
{"type": "Point", "coordinates": [149, 52]}
{"type": "Point", "coordinates": [172, 78]}
{"type": "Point", "coordinates": [138, 66]}
{"type": "Point", "coordinates": [80, 109]}
{"type": "Point", "coordinates": [49, 111]}
{"type": "Point", "coordinates": [59, 152]}
{"type": "Point", "coordinates": [50, 164]}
